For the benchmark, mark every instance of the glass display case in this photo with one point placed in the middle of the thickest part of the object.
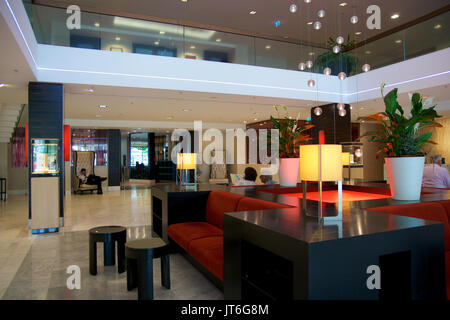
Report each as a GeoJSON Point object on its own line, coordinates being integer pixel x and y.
{"type": "Point", "coordinates": [45, 156]}
{"type": "Point", "coordinates": [356, 152]}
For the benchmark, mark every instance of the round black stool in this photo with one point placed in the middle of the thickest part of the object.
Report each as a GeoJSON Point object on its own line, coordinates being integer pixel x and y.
{"type": "Point", "coordinates": [108, 235]}
{"type": "Point", "coordinates": [140, 255]}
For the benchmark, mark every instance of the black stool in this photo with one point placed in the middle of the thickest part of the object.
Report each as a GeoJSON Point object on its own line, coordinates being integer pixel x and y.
{"type": "Point", "coordinates": [140, 255]}
{"type": "Point", "coordinates": [108, 235]}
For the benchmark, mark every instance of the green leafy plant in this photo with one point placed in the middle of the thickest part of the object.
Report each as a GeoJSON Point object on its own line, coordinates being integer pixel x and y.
{"type": "Point", "coordinates": [290, 134]}
{"type": "Point", "coordinates": [400, 135]}
{"type": "Point", "coordinates": [337, 62]}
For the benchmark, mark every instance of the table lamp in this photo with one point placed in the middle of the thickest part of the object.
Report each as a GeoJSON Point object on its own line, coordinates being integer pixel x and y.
{"type": "Point", "coordinates": [186, 162]}
{"type": "Point", "coordinates": [346, 161]}
{"type": "Point", "coordinates": [322, 162]}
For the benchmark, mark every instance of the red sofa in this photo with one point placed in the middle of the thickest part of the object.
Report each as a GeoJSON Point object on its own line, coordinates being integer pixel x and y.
{"type": "Point", "coordinates": [203, 241]}
{"type": "Point", "coordinates": [435, 211]}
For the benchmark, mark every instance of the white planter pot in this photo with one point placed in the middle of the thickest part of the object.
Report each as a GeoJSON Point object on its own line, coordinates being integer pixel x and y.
{"type": "Point", "coordinates": [289, 171]}
{"type": "Point", "coordinates": [405, 177]}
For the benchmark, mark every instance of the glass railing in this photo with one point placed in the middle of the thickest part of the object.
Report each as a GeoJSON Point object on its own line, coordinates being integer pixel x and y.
{"type": "Point", "coordinates": [120, 34]}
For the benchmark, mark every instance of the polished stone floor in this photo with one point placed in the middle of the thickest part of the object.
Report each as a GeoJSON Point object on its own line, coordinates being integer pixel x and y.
{"type": "Point", "coordinates": [35, 266]}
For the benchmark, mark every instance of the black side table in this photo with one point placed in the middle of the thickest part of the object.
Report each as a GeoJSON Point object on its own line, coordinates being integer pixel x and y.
{"type": "Point", "coordinates": [3, 189]}
{"type": "Point", "coordinates": [140, 255]}
{"type": "Point", "coordinates": [108, 235]}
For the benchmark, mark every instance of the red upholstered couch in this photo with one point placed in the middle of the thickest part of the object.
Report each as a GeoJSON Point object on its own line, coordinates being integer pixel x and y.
{"type": "Point", "coordinates": [435, 211]}
{"type": "Point", "coordinates": [203, 241]}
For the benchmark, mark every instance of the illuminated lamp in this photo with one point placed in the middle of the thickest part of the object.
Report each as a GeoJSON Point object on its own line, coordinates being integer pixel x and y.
{"type": "Point", "coordinates": [186, 162]}
{"type": "Point", "coordinates": [321, 163]}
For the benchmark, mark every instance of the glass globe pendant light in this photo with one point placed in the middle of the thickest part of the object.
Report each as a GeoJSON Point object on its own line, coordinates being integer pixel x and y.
{"type": "Point", "coordinates": [302, 66]}
{"type": "Point", "coordinates": [327, 71]}
{"type": "Point", "coordinates": [309, 64]}
{"type": "Point", "coordinates": [342, 76]}
{"type": "Point", "coordinates": [293, 8]}
{"type": "Point", "coordinates": [366, 67]}
{"type": "Point", "coordinates": [340, 40]}
{"type": "Point", "coordinates": [311, 83]}
{"type": "Point", "coordinates": [354, 20]}
{"type": "Point", "coordinates": [321, 13]}
{"type": "Point", "coordinates": [318, 111]}
{"type": "Point", "coordinates": [336, 49]}
{"type": "Point", "coordinates": [340, 106]}
{"type": "Point", "coordinates": [317, 25]}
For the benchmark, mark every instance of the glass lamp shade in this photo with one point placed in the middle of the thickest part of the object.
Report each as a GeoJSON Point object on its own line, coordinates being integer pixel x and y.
{"type": "Point", "coordinates": [366, 67]}
{"type": "Point", "coordinates": [354, 20]}
{"type": "Point", "coordinates": [311, 83]}
{"type": "Point", "coordinates": [336, 49]}
{"type": "Point", "coordinates": [343, 112]}
{"type": "Point", "coordinates": [342, 76]}
{"type": "Point", "coordinates": [302, 66]}
{"type": "Point", "coordinates": [327, 71]}
{"type": "Point", "coordinates": [345, 158]}
{"type": "Point", "coordinates": [340, 40]}
{"type": "Point", "coordinates": [317, 25]}
{"type": "Point", "coordinates": [318, 111]}
{"type": "Point", "coordinates": [321, 13]}
{"type": "Point", "coordinates": [307, 1]}
{"type": "Point", "coordinates": [321, 162]}
{"type": "Point", "coordinates": [358, 153]}
{"type": "Point", "coordinates": [309, 64]}
{"type": "Point", "coordinates": [340, 106]}
{"type": "Point", "coordinates": [293, 8]}
{"type": "Point", "coordinates": [186, 161]}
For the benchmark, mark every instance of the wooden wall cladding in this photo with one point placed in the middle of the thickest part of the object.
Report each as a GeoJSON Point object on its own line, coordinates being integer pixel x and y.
{"type": "Point", "coordinates": [337, 128]}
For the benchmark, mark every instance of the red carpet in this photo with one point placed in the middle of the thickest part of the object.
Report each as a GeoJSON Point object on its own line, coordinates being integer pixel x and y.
{"type": "Point", "coordinates": [332, 196]}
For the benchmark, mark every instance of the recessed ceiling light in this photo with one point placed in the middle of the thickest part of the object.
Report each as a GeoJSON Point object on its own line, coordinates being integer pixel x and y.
{"type": "Point", "coordinates": [358, 33]}
{"type": "Point", "coordinates": [192, 47]}
{"type": "Point", "coordinates": [184, 0]}
{"type": "Point", "coordinates": [97, 24]}
{"type": "Point", "coordinates": [156, 43]}
{"type": "Point", "coordinates": [2, 85]}
{"type": "Point", "coordinates": [268, 47]}
{"type": "Point", "coordinates": [117, 38]}
{"type": "Point", "coordinates": [438, 26]}
{"type": "Point", "coordinates": [398, 41]}
{"type": "Point", "coordinates": [169, 118]}
{"type": "Point", "coordinates": [343, 4]}
{"type": "Point", "coordinates": [98, 116]}
{"type": "Point", "coordinates": [252, 12]}
{"type": "Point", "coordinates": [218, 40]}
{"type": "Point", "coordinates": [368, 52]}
{"type": "Point", "coordinates": [90, 90]}
{"type": "Point", "coordinates": [186, 110]}
{"type": "Point", "coordinates": [162, 32]}
{"type": "Point", "coordinates": [395, 16]}
{"type": "Point", "coordinates": [311, 53]}
{"type": "Point", "coordinates": [310, 23]}
{"type": "Point", "coordinates": [245, 121]}
{"type": "Point", "coordinates": [256, 119]}
{"type": "Point", "coordinates": [102, 106]}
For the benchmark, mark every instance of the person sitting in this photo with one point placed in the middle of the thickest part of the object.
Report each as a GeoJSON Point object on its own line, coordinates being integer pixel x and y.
{"type": "Point", "coordinates": [435, 176]}
{"type": "Point", "coordinates": [267, 179]}
{"type": "Point", "coordinates": [250, 176]}
{"type": "Point", "coordinates": [91, 180]}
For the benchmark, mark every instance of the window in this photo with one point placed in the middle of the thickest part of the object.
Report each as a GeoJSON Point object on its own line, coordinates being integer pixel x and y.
{"type": "Point", "coordinates": [92, 140]}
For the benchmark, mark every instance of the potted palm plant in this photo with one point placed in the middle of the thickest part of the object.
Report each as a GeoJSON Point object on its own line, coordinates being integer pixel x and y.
{"type": "Point", "coordinates": [401, 139]}
{"type": "Point", "coordinates": [290, 137]}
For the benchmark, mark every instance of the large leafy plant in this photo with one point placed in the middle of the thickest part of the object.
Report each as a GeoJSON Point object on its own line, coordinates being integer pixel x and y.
{"type": "Point", "coordinates": [290, 134]}
{"type": "Point", "coordinates": [400, 135]}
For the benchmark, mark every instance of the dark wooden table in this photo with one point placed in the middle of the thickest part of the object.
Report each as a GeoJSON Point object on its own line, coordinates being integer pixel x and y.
{"type": "Point", "coordinates": [310, 260]}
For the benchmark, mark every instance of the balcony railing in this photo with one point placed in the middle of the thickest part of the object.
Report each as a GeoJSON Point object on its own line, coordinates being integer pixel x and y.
{"type": "Point", "coordinates": [120, 34]}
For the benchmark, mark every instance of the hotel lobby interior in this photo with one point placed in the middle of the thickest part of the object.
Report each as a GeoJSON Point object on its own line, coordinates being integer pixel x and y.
{"type": "Point", "coordinates": [263, 151]}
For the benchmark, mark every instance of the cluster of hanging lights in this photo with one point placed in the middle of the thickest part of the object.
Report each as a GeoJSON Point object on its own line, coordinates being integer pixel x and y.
{"type": "Point", "coordinates": [302, 66]}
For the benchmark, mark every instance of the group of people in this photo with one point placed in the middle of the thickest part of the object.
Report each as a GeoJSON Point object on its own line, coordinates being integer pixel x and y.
{"type": "Point", "coordinates": [250, 176]}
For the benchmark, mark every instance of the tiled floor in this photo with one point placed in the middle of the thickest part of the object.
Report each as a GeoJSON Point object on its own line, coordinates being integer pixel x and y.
{"type": "Point", "coordinates": [35, 267]}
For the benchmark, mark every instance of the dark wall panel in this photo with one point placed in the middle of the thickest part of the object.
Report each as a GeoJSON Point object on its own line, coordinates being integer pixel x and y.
{"type": "Point", "coordinates": [114, 155]}
{"type": "Point", "coordinates": [46, 120]}
{"type": "Point", "coordinates": [337, 129]}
